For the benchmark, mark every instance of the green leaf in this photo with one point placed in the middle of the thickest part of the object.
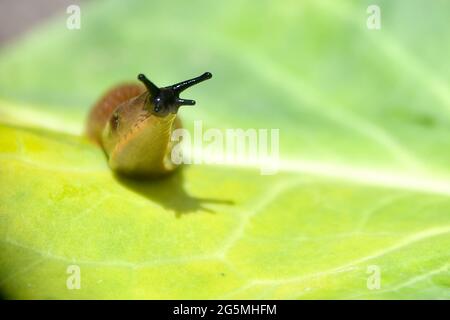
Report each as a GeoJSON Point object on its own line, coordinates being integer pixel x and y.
{"type": "Point", "coordinates": [364, 143]}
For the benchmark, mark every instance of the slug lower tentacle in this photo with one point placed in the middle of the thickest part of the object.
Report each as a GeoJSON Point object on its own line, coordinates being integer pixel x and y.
{"type": "Point", "coordinates": [133, 125]}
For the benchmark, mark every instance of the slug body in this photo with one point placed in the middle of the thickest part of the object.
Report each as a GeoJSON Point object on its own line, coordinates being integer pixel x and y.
{"type": "Point", "coordinates": [133, 125]}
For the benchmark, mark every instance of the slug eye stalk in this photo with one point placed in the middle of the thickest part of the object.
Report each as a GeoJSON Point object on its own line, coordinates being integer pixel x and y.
{"type": "Point", "coordinates": [151, 87]}
{"type": "Point", "coordinates": [169, 96]}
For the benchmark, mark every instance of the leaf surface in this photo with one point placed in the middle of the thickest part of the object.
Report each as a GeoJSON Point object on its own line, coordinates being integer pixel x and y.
{"type": "Point", "coordinates": [364, 144]}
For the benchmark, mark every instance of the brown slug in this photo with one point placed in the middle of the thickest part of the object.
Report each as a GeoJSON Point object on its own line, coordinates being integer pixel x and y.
{"type": "Point", "coordinates": [133, 125]}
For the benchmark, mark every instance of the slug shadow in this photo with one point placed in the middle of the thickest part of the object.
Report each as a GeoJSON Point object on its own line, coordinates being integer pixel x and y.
{"type": "Point", "coordinates": [170, 193]}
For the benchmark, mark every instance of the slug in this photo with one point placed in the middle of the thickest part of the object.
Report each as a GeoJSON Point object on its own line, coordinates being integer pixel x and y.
{"type": "Point", "coordinates": [133, 124]}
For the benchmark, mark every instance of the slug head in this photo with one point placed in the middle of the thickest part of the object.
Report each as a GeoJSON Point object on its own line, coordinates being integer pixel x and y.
{"type": "Point", "coordinates": [166, 100]}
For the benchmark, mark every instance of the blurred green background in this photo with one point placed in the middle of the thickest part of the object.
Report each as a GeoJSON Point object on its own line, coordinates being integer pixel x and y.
{"type": "Point", "coordinates": [364, 130]}
{"type": "Point", "coordinates": [287, 61]}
